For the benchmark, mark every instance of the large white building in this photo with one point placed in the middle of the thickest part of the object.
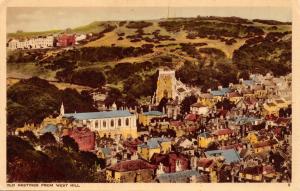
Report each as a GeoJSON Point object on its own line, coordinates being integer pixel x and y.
{"type": "Point", "coordinates": [107, 123]}
{"type": "Point", "coordinates": [32, 43]}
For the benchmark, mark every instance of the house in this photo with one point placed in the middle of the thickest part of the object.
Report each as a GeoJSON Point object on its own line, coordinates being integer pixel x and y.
{"type": "Point", "coordinates": [173, 109]}
{"type": "Point", "coordinates": [204, 139]}
{"type": "Point", "coordinates": [228, 155]}
{"type": "Point", "coordinates": [106, 154]}
{"type": "Point", "coordinates": [31, 43]}
{"type": "Point", "coordinates": [234, 97]}
{"type": "Point", "coordinates": [252, 174]}
{"type": "Point", "coordinates": [264, 146]}
{"type": "Point", "coordinates": [130, 171]}
{"type": "Point", "coordinates": [199, 109]}
{"type": "Point", "coordinates": [270, 108]}
{"type": "Point", "coordinates": [79, 38]}
{"type": "Point", "coordinates": [84, 137]}
{"type": "Point", "coordinates": [65, 40]}
{"type": "Point", "coordinates": [146, 117]}
{"type": "Point", "coordinates": [186, 176]}
{"type": "Point", "coordinates": [208, 166]}
{"type": "Point", "coordinates": [206, 99]}
{"type": "Point", "coordinates": [170, 162]}
{"type": "Point", "coordinates": [154, 145]}
{"type": "Point", "coordinates": [223, 134]}
{"type": "Point", "coordinates": [220, 93]}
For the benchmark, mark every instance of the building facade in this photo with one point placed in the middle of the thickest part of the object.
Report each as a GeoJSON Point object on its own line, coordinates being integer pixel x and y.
{"type": "Point", "coordinates": [118, 123]}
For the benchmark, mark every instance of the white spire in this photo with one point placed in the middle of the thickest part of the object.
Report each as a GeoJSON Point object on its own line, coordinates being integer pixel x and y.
{"type": "Point", "coordinates": [62, 109]}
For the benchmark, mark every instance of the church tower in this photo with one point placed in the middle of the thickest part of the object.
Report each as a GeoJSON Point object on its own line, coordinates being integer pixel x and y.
{"type": "Point", "coordinates": [166, 85]}
{"type": "Point", "coordinates": [62, 109]}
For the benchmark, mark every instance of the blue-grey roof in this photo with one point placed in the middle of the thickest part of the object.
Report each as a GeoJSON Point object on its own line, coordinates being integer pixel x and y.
{"type": "Point", "coordinates": [230, 155]}
{"type": "Point", "coordinates": [49, 128]}
{"type": "Point", "coordinates": [156, 113]}
{"type": "Point", "coordinates": [180, 176]}
{"type": "Point", "coordinates": [98, 115]}
{"type": "Point", "coordinates": [220, 92]}
{"type": "Point", "coordinates": [241, 120]}
{"type": "Point", "coordinates": [106, 151]}
{"type": "Point", "coordinates": [248, 82]}
{"type": "Point", "coordinates": [154, 142]}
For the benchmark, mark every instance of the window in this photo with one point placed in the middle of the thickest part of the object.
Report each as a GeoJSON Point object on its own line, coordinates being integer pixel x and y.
{"type": "Point", "coordinates": [96, 124]}
{"type": "Point", "coordinates": [104, 123]}
{"type": "Point", "coordinates": [127, 122]}
{"type": "Point", "coordinates": [119, 122]}
{"type": "Point", "coordinates": [112, 123]}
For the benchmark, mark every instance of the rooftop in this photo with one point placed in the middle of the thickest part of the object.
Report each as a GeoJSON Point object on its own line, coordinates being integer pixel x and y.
{"type": "Point", "coordinates": [99, 115]}
{"type": "Point", "coordinates": [230, 155]}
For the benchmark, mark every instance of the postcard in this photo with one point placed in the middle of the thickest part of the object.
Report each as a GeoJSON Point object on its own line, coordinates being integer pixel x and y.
{"type": "Point", "coordinates": [143, 95]}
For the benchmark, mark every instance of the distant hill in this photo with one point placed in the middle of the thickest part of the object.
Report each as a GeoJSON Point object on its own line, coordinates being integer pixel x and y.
{"type": "Point", "coordinates": [210, 43]}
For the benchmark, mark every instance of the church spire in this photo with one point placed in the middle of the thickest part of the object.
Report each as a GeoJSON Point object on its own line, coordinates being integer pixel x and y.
{"type": "Point", "coordinates": [62, 109]}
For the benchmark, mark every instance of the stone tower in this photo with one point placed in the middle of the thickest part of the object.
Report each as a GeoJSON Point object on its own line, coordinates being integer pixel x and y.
{"type": "Point", "coordinates": [166, 85]}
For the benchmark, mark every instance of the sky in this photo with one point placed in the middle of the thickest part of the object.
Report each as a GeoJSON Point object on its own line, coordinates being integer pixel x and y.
{"type": "Point", "coordinates": [50, 18]}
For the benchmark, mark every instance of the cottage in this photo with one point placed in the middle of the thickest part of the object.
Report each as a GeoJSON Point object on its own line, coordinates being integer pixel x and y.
{"type": "Point", "coordinates": [199, 109]}
{"type": "Point", "coordinates": [228, 156]}
{"type": "Point", "coordinates": [130, 171]}
{"type": "Point", "coordinates": [154, 145]}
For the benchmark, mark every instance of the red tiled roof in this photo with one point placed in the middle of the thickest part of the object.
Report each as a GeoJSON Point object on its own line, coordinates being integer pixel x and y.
{"type": "Point", "coordinates": [83, 137]}
{"type": "Point", "coordinates": [268, 169]}
{"type": "Point", "coordinates": [271, 117]}
{"type": "Point", "coordinates": [131, 165]}
{"type": "Point", "coordinates": [205, 163]}
{"type": "Point", "coordinates": [223, 132]}
{"type": "Point", "coordinates": [234, 94]}
{"type": "Point", "coordinates": [191, 117]}
{"type": "Point", "coordinates": [255, 170]}
{"type": "Point", "coordinates": [176, 123]}
{"type": "Point", "coordinates": [169, 161]}
{"type": "Point", "coordinates": [265, 143]}
{"type": "Point", "coordinates": [283, 120]}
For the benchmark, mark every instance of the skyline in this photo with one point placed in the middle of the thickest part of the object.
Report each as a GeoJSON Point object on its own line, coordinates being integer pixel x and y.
{"type": "Point", "coordinates": [32, 19]}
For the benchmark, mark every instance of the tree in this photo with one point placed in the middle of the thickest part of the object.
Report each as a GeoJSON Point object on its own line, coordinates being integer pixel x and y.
{"type": "Point", "coordinates": [29, 134]}
{"type": "Point", "coordinates": [70, 143]}
{"type": "Point", "coordinates": [186, 103]}
{"type": "Point", "coordinates": [47, 139]}
{"type": "Point", "coordinates": [225, 104]}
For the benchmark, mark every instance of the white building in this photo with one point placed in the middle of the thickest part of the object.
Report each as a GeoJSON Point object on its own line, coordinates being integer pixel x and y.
{"type": "Point", "coordinates": [199, 109]}
{"type": "Point", "coordinates": [107, 123]}
{"type": "Point", "coordinates": [32, 43]}
{"type": "Point", "coordinates": [79, 38]}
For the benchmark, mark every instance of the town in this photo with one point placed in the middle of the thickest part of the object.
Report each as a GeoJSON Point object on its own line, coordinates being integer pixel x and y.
{"type": "Point", "coordinates": [239, 133]}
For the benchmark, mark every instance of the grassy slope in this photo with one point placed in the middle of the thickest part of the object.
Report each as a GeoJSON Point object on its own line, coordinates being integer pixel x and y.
{"type": "Point", "coordinates": [25, 70]}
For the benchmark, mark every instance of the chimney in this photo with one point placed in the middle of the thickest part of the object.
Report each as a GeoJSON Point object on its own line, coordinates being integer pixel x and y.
{"type": "Point", "coordinates": [178, 166]}
{"type": "Point", "coordinates": [160, 169]}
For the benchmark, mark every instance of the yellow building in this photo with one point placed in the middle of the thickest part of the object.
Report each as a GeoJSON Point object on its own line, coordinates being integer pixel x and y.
{"type": "Point", "coordinates": [204, 139]}
{"type": "Point", "coordinates": [270, 109]}
{"type": "Point", "coordinates": [166, 85]}
{"type": "Point", "coordinates": [145, 118]}
{"type": "Point", "coordinates": [154, 145]}
{"type": "Point", "coordinates": [223, 134]}
{"type": "Point", "coordinates": [252, 137]}
{"type": "Point", "coordinates": [207, 99]}
{"type": "Point", "coordinates": [264, 146]}
{"type": "Point", "coordinates": [130, 171]}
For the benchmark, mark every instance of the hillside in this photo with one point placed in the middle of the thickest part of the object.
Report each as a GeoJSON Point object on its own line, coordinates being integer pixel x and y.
{"type": "Point", "coordinates": [124, 50]}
